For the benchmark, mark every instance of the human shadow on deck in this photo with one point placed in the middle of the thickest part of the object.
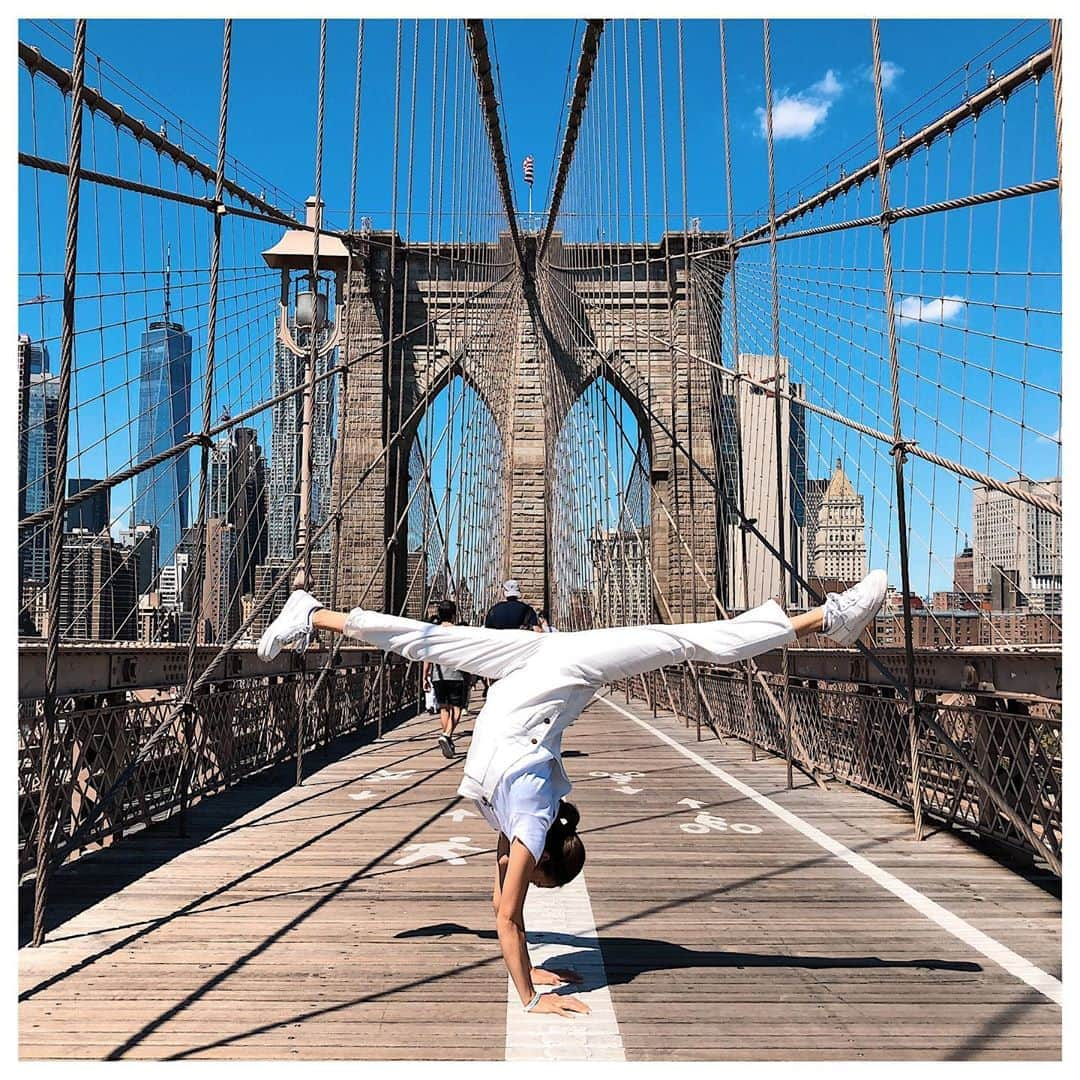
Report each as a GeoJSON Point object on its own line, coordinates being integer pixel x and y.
{"type": "Point", "coordinates": [625, 958]}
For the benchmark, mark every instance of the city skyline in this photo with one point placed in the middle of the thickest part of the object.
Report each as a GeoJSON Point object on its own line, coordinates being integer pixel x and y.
{"type": "Point", "coordinates": [1041, 531]}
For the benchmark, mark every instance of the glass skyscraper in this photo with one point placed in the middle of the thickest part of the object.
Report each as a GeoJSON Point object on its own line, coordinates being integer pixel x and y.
{"type": "Point", "coordinates": [285, 447]}
{"type": "Point", "coordinates": [38, 445]}
{"type": "Point", "coordinates": [161, 493]}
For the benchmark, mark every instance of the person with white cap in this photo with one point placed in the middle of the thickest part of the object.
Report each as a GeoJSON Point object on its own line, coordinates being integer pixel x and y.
{"type": "Point", "coordinates": [512, 613]}
{"type": "Point", "coordinates": [514, 768]}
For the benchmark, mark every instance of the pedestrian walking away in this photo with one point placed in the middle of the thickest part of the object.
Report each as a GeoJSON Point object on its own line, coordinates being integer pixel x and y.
{"type": "Point", "coordinates": [514, 769]}
{"type": "Point", "coordinates": [448, 684]}
{"type": "Point", "coordinates": [512, 613]}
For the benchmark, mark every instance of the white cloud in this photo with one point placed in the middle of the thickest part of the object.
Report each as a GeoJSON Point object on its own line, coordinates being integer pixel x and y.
{"type": "Point", "coordinates": [798, 115]}
{"type": "Point", "coordinates": [829, 86]}
{"type": "Point", "coordinates": [890, 72]}
{"type": "Point", "coordinates": [945, 309]}
{"type": "Point", "coordinates": [795, 118]}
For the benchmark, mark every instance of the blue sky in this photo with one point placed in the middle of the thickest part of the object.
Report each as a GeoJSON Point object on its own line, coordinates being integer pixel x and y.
{"type": "Point", "coordinates": [823, 114]}
{"type": "Point", "coordinates": [275, 68]}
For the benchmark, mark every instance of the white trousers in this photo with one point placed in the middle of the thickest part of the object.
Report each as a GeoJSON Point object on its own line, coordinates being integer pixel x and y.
{"type": "Point", "coordinates": [592, 657]}
{"type": "Point", "coordinates": [545, 681]}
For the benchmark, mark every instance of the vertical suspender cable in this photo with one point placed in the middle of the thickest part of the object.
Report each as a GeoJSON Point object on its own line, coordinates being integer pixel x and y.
{"type": "Point", "coordinates": [47, 819]}
{"type": "Point", "coordinates": [778, 398]}
{"type": "Point", "coordinates": [673, 362]}
{"type": "Point", "coordinates": [342, 397]}
{"type": "Point", "coordinates": [397, 559]}
{"type": "Point", "coordinates": [687, 329]}
{"type": "Point", "coordinates": [307, 422]}
{"type": "Point", "coordinates": [356, 126]}
{"type": "Point", "coordinates": [187, 708]}
{"type": "Point", "coordinates": [751, 711]}
{"type": "Point", "coordinates": [390, 294]}
{"type": "Point", "coordinates": [429, 521]}
{"type": "Point", "coordinates": [899, 457]}
{"type": "Point", "coordinates": [1055, 54]}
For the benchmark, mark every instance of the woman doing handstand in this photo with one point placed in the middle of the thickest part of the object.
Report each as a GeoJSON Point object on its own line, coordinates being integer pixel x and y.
{"type": "Point", "coordinates": [513, 769]}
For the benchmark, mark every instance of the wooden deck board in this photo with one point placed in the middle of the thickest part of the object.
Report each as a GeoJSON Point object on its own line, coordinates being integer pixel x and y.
{"type": "Point", "coordinates": [286, 927]}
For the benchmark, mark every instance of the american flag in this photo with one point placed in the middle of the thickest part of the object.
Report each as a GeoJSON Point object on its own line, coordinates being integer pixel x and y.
{"type": "Point", "coordinates": [527, 169]}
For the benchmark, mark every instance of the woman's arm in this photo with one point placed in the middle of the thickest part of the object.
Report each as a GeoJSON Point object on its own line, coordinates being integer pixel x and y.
{"type": "Point", "coordinates": [540, 976]}
{"type": "Point", "coordinates": [513, 884]}
{"type": "Point", "coordinates": [512, 876]}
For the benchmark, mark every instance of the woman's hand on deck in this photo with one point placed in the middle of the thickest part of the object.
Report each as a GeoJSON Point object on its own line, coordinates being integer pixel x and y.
{"type": "Point", "coordinates": [562, 1004]}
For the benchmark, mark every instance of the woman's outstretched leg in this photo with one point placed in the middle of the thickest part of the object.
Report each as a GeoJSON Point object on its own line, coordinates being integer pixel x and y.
{"type": "Point", "coordinates": [602, 656]}
{"type": "Point", "coordinates": [491, 653]}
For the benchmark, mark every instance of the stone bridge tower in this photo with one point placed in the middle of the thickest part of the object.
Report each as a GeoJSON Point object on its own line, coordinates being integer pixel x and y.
{"type": "Point", "coordinates": [528, 360]}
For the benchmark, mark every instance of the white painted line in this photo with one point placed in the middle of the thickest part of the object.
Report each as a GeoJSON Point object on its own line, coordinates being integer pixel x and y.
{"type": "Point", "coordinates": [993, 950]}
{"type": "Point", "coordinates": [548, 1037]}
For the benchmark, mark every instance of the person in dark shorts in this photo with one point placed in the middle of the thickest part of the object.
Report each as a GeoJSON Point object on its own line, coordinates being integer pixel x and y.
{"type": "Point", "coordinates": [449, 684]}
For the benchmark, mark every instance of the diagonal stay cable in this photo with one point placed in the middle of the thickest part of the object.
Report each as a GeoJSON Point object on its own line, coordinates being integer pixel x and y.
{"type": "Point", "coordinates": [258, 608]}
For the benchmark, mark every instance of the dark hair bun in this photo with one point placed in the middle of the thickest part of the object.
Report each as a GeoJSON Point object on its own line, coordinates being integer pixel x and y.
{"type": "Point", "coordinates": [568, 816]}
{"type": "Point", "coordinates": [563, 847]}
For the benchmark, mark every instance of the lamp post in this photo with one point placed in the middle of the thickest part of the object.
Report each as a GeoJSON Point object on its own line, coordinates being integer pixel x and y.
{"type": "Point", "coordinates": [293, 255]}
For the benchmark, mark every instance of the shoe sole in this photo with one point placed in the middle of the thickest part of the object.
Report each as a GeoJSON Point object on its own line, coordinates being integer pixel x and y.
{"type": "Point", "coordinates": [447, 752]}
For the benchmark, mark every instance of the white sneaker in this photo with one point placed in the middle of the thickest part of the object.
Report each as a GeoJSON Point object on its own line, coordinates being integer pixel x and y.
{"type": "Point", "coordinates": [293, 624]}
{"type": "Point", "coordinates": [847, 614]}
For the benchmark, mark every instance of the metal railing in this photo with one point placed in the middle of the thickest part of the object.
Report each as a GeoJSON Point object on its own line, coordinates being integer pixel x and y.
{"type": "Point", "coordinates": [237, 728]}
{"type": "Point", "coordinates": [859, 734]}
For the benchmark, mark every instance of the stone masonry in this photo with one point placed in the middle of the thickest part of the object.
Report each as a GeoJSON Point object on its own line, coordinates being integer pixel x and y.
{"type": "Point", "coordinates": [517, 341]}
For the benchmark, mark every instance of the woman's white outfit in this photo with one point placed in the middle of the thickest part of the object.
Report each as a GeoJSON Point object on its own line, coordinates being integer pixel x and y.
{"type": "Point", "coordinates": [514, 765]}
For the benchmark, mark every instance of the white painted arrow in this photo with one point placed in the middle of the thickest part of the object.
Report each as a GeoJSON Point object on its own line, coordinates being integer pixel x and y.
{"type": "Point", "coordinates": [365, 794]}
{"type": "Point", "coordinates": [382, 775]}
{"type": "Point", "coordinates": [459, 815]}
{"type": "Point", "coordinates": [692, 803]}
{"type": "Point", "coordinates": [630, 790]}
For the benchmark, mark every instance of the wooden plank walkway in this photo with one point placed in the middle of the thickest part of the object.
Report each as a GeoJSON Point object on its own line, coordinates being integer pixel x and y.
{"type": "Point", "coordinates": [307, 924]}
